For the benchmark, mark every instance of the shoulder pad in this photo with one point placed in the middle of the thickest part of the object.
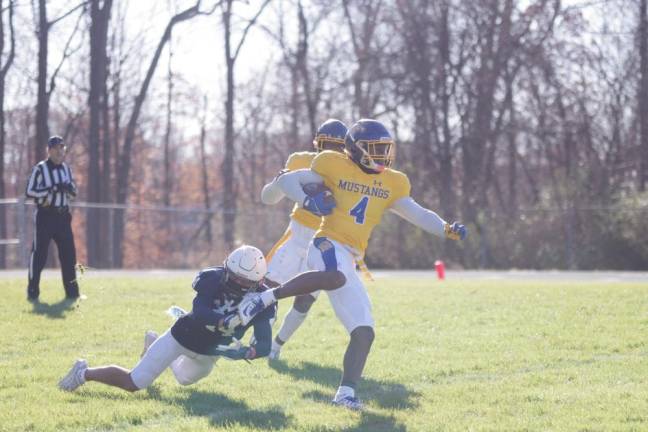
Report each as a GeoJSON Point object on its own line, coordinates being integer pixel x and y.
{"type": "Point", "coordinates": [299, 160]}
{"type": "Point", "coordinates": [212, 275]}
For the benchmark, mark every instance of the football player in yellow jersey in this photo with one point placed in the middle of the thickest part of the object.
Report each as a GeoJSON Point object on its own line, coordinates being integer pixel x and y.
{"type": "Point", "coordinates": [288, 256]}
{"type": "Point", "coordinates": [364, 187]}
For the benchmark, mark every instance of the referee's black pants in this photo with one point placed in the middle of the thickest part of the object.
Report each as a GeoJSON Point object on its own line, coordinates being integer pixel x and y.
{"type": "Point", "coordinates": [52, 223]}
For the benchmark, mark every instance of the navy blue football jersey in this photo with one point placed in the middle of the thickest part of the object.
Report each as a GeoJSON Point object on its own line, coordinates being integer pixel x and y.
{"type": "Point", "coordinates": [215, 298]}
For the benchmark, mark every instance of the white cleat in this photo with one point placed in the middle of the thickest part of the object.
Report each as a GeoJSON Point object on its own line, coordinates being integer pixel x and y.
{"type": "Point", "coordinates": [75, 377]}
{"type": "Point", "coordinates": [149, 338]}
{"type": "Point", "coordinates": [349, 402]}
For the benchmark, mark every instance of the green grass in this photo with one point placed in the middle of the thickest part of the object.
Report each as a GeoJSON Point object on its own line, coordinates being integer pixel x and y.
{"type": "Point", "coordinates": [458, 355]}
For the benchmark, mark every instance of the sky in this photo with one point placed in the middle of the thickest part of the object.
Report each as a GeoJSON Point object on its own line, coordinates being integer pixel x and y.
{"type": "Point", "coordinates": [198, 45]}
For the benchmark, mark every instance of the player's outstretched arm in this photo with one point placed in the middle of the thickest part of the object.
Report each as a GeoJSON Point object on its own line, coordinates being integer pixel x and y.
{"type": "Point", "coordinates": [271, 193]}
{"type": "Point", "coordinates": [426, 219]}
{"type": "Point", "coordinates": [304, 283]}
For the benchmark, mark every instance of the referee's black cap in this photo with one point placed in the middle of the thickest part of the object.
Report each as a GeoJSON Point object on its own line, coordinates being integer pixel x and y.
{"type": "Point", "coordinates": [54, 140]}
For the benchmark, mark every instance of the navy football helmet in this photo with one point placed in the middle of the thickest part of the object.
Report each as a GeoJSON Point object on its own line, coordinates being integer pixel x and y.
{"type": "Point", "coordinates": [330, 136]}
{"type": "Point", "coordinates": [370, 145]}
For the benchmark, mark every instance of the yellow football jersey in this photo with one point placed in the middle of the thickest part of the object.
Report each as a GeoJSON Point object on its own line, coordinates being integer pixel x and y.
{"type": "Point", "coordinates": [301, 160]}
{"type": "Point", "coordinates": [361, 198]}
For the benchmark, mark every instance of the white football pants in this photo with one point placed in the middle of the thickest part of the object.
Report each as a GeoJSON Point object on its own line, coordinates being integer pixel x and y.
{"type": "Point", "coordinates": [187, 366]}
{"type": "Point", "coordinates": [350, 302]}
{"type": "Point", "coordinates": [289, 259]}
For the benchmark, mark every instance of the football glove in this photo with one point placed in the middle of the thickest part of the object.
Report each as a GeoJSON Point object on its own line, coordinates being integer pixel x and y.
{"type": "Point", "coordinates": [250, 306]}
{"type": "Point", "coordinates": [320, 204]}
{"type": "Point", "coordinates": [235, 351]}
{"type": "Point", "coordinates": [175, 312]}
{"type": "Point", "coordinates": [456, 231]}
{"type": "Point", "coordinates": [229, 322]}
{"type": "Point", "coordinates": [243, 353]}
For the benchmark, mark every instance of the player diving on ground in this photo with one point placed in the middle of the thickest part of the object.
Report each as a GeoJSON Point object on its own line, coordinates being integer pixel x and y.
{"type": "Point", "coordinates": [222, 312]}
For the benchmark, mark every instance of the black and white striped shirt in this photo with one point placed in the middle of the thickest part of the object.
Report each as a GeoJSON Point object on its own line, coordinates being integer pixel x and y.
{"type": "Point", "coordinates": [46, 184]}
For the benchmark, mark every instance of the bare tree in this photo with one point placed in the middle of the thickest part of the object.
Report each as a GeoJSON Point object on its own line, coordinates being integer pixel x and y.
{"type": "Point", "coordinates": [96, 224]}
{"type": "Point", "coordinates": [205, 174]}
{"type": "Point", "coordinates": [643, 94]}
{"type": "Point", "coordinates": [44, 89]}
{"type": "Point", "coordinates": [4, 69]}
{"type": "Point", "coordinates": [168, 171]}
{"type": "Point", "coordinates": [362, 37]}
{"type": "Point", "coordinates": [231, 55]}
{"type": "Point", "coordinates": [124, 160]}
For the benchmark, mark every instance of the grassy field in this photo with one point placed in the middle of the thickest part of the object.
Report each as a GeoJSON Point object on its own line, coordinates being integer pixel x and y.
{"type": "Point", "coordinates": [458, 355]}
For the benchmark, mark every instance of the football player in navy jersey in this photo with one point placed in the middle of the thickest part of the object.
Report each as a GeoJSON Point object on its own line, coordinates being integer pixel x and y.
{"type": "Point", "coordinates": [191, 346]}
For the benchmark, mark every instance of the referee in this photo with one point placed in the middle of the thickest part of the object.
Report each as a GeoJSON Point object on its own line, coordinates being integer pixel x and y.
{"type": "Point", "coordinates": [51, 186]}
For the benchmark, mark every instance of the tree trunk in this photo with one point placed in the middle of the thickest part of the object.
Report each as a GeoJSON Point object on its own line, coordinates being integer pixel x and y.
{"type": "Point", "coordinates": [205, 177]}
{"type": "Point", "coordinates": [447, 194]}
{"type": "Point", "coordinates": [98, 58]}
{"type": "Point", "coordinates": [643, 94]}
{"type": "Point", "coordinates": [512, 152]}
{"type": "Point", "coordinates": [3, 135]}
{"type": "Point", "coordinates": [42, 99]}
{"type": "Point", "coordinates": [105, 238]}
{"type": "Point", "coordinates": [168, 182]}
{"type": "Point", "coordinates": [229, 200]}
{"type": "Point", "coordinates": [302, 65]}
{"type": "Point", "coordinates": [229, 190]}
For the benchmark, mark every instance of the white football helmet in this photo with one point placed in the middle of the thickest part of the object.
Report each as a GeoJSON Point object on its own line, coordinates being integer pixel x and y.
{"type": "Point", "coordinates": [246, 266]}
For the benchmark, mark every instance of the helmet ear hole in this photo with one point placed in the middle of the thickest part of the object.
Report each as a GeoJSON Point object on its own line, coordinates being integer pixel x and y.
{"type": "Point", "coordinates": [370, 145]}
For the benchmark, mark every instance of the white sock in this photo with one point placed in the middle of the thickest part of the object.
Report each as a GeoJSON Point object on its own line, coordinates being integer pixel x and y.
{"type": "Point", "coordinates": [344, 391]}
{"type": "Point", "coordinates": [291, 323]}
{"type": "Point", "coordinates": [275, 346]}
{"type": "Point", "coordinates": [268, 297]}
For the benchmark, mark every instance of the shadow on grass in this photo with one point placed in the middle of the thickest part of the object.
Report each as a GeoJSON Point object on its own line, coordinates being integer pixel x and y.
{"type": "Point", "coordinates": [223, 411]}
{"type": "Point", "coordinates": [369, 421]}
{"type": "Point", "coordinates": [55, 310]}
{"type": "Point", "coordinates": [385, 394]}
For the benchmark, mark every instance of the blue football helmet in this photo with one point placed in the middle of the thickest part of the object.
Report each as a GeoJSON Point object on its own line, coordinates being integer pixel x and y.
{"type": "Point", "coordinates": [370, 145]}
{"type": "Point", "coordinates": [330, 136]}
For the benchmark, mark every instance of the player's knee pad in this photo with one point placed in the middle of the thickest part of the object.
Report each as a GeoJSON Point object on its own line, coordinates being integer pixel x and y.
{"type": "Point", "coordinates": [363, 335]}
{"type": "Point", "coordinates": [187, 377]}
{"type": "Point", "coordinates": [184, 381]}
{"type": "Point", "coordinates": [303, 303]}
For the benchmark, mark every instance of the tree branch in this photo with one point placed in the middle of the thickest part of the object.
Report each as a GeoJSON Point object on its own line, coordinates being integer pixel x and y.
{"type": "Point", "coordinates": [248, 27]}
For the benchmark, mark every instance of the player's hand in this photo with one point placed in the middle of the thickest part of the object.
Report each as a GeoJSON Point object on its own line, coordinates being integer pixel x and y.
{"type": "Point", "coordinates": [67, 187]}
{"type": "Point", "coordinates": [455, 231]}
{"type": "Point", "coordinates": [320, 204]}
{"type": "Point", "coordinates": [242, 353]}
{"type": "Point", "coordinates": [228, 322]}
{"type": "Point", "coordinates": [249, 307]}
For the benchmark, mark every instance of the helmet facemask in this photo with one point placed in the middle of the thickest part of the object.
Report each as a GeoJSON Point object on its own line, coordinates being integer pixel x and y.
{"type": "Point", "coordinates": [327, 142]}
{"type": "Point", "coordinates": [246, 285]}
{"type": "Point", "coordinates": [375, 155]}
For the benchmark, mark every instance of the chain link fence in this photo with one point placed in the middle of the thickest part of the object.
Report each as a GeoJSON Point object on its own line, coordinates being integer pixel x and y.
{"type": "Point", "coordinates": [154, 237]}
